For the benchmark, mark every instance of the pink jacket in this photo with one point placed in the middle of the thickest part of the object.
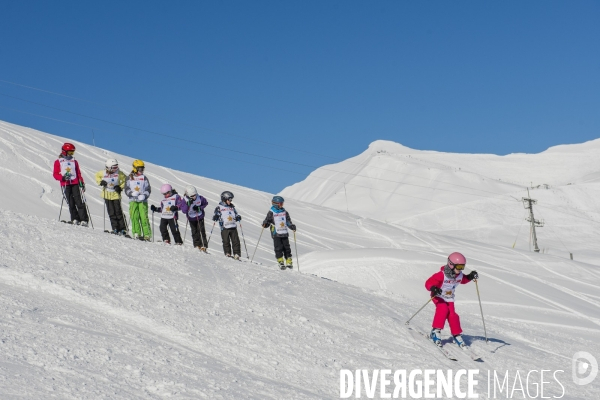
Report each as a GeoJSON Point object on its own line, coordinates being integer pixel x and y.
{"type": "Point", "coordinates": [58, 176]}
{"type": "Point", "coordinates": [437, 279]}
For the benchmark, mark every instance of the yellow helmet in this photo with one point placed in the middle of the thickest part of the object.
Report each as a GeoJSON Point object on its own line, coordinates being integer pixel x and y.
{"type": "Point", "coordinates": [138, 164]}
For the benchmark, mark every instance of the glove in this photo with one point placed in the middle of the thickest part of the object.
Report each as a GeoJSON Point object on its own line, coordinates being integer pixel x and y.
{"type": "Point", "coordinates": [83, 187]}
{"type": "Point", "coordinates": [141, 197]}
{"type": "Point", "coordinates": [435, 291]}
{"type": "Point", "coordinates": [238, 218]}
{"type": "Point", "coordinates": [153, 208]}
{"type": "Point", "coordinates": [293, 227]}
{"type": "Point", "coordinates": [135, 193]}
{"type": "Point", "coordinates": [118, 189]}
{"type": "Point", "coordinates": [103, 183]}
{"type": "Point", "coordinates": [195, 208]}
{"type": "Point", "coordinates": [472, 275]}
{"type": "Point", "coordinates": [66, 177]}
{"type": "Point", "coordinates": [173, 208]}
{"type": "Point", "coordinates": [266, 225]}
{"type": "Point", "coordinates": [216, 217]}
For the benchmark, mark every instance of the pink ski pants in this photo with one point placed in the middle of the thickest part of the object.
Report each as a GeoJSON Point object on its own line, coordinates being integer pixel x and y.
{"type": "Point", "coordinates": [445, 311]}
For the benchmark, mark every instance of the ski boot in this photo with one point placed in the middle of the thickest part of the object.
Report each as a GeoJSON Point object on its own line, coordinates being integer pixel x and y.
{"type": "Point", "coordinates": [167, 241]}
{"type": "Point", "coordinates": [203, 249]}
{"type": "Point", "coordinates": [281, 264]}
{"type": "Point", "coordinates": [228, 255]}
{"type": "Point", "coordinates": [436, 337]}
{"type": "Point", "coordinates": [236, 257]}
{"type": "Point", "coordinates": [289, 263]}
{"type": "Point", "coordinates": [75, 222]}
{"type": "Point", "coordinates": [84, 224]}
{"type": "Point", "coordinates": [458, 339]}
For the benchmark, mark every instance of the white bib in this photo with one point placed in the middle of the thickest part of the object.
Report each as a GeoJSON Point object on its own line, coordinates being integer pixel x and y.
{"type": "Point", "coordinates": [449, 286]}
{"type": "Point", "coordinates": [166, 207]}
{"type": "Point", "coordinates": [280, 223]}
{"type": "Point", "coordinates": [228, 217]}
{"type": "Point", "coordinates": [137, 184]}
{"type": "Point", "coordinates": [67, 167]}
{"type": "Point", "coordinates": [112, 180]}
{"type": "Point", "coordinates": [193, 213]}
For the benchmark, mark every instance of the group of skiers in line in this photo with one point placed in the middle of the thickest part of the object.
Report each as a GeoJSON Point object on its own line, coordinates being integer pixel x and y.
{"type": "Point", "coordinates": [137, 188]}
{"type": "Point", "coordinates": [442, 285]}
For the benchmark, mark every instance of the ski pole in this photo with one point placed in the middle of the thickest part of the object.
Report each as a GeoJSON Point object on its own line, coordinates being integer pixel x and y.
{"type": "Point", "coordinates": [209, 236]}
{"type": "Point", "coordinates": [105, 205]}
{"type": "Point", "coordinates": [261, 232]}
{"type": "Point", "coordinates": [123, 213]}
{"type": "Point", "coordinates": [152, 226]}
{"type": "Point", "coordinates": [407, 322]}
{"type": "Point", "coordinates": [62, 201]}
{"type": "Point", "coordinates": [86, 206]}
{"type": "Point", "coordinates": [185, 233]}
{"type": "Point", "coordinates": [296, 246]}
{"type": "Point", "coordinates": [481, 309]}
{"type": "Point", "coordinates": [247, 256]}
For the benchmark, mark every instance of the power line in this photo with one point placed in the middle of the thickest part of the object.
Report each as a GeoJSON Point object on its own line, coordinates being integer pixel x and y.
{"type": "Point", "coordinates": [256, 155]}
{"type": "Point", "coordinates": [120, 109]}
{"type": "Point", "coordinates": [303, 174]}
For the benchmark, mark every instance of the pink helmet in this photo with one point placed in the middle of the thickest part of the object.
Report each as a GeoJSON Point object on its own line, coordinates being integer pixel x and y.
{"type": "Point", "coordinates": [166, 188]}
{"type": "Point", "coordinates": [456, 258]}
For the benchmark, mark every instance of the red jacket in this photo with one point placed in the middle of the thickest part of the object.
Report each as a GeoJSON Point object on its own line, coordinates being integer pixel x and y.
{"type": "Point", "coordinates": [437, 279]}
{"type": "Point", "coordinates": [58, 176]}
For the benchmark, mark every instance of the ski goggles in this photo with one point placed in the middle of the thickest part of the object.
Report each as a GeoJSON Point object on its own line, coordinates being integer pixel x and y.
{"type": "Point", "coordinates": [70, 152]}
{"type": "Point", "coordinates": [193, 197]}
{"type": "Point", "coordinates": [459, 267]}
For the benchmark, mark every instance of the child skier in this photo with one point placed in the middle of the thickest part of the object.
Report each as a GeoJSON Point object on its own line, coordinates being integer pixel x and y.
{"type": "Point", "coordinates": [195, 215]}
{"type": "Point", "coordinates": [112, 180]}
{"type": "Point", "coordinates": [442, 285]}
{"type": "Point", "coordinates": [279, 220]}
{"type": "Point", "coordinates": [228, 218]}
{"type": "Point", "coordinates": [169, 206]}
{"type": "Point", "coordinates": [66, 171]}
{"type": "Point", "coordinates": [138, 190]}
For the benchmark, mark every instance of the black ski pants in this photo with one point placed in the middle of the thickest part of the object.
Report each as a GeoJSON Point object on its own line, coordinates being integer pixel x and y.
{"type": "Point", "coordinates": [198, 233]}
{"type": "Point", "coordinates": [171, 223]}
{"type": "Point", "coordinates": [282, 247]}
{"type": "Point", "coordinates": [76, 205]}
{"type": "Point", "coordinates": [115, 213]}
{"type": "Point", "coordinates": [231, 234]}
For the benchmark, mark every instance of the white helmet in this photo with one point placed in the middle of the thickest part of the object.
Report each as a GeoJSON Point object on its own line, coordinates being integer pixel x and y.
{"type": "Point", "coordinates": [111, 162]}
{"type": "Point", "coordinates": [190, 191]}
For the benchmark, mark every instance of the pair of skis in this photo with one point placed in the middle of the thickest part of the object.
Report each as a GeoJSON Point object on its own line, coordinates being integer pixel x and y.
{"type": "Point", "coordinates": [419, 335]}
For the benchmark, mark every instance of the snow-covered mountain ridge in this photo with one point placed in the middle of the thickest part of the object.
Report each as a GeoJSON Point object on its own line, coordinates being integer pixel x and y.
{"type": "Point", "coordinates": [87, 315]}
{"type": "Point", "coordinates": [471, 196]}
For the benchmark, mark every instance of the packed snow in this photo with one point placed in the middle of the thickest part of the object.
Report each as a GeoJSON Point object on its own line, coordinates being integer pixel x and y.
{"type": "Point", "coordinates": [89, 315]}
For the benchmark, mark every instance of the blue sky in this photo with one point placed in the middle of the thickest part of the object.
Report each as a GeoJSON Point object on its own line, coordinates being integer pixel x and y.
{"type": "Point", "coordinates": [312, 82]}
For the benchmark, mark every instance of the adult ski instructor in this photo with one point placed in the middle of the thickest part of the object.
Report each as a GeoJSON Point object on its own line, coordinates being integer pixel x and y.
{"type": "Point", "coordinates": [138, 190]}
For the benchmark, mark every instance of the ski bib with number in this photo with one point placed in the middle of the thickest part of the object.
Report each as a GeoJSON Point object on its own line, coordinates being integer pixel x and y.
{"type": "Point", "coordinates": [449, 286]}
{"type": "Point", "coordinates": [280, 223]}
{"type": "Point", "coordinates": [67, 168]}
{"type": "Point", "coordinates": [137, 184]}
{"type": "Point", "coordinates": [112, 180]}
{"type": "Point", "coordinates": [166, 207]}
{"type": "Point", "coordinates": [228, 217]}
{"type": "Point", "coordinates": [193, 213]}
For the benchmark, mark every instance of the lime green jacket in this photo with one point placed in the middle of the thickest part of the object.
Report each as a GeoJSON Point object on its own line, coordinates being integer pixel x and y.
{"type": "Point", "coordinates": [108, 195]}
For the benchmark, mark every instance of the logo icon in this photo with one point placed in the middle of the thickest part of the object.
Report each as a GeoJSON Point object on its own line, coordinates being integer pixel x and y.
{"type": "Point", "coordinates": [585, 368]}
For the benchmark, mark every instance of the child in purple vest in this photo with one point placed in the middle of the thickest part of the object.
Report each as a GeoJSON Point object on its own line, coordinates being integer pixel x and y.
{"type": "Point", "coordinates": [169, 205]}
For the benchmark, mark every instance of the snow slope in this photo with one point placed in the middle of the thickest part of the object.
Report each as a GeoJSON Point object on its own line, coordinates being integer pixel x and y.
{"type": "Point", "coordinates": [471, 196]}
{"type": "Point", "coordinates": [89, 315]}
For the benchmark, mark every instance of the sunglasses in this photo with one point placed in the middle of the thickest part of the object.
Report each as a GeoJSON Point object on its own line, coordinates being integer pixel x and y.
{"type": "Point", "coordinates": [459, 267]}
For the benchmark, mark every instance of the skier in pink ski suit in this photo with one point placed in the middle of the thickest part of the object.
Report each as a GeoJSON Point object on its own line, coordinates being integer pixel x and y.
{"type": "Point", "coordinates": [442, 285]}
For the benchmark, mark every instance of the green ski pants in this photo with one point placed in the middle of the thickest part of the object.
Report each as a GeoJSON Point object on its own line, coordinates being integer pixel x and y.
{"type": "Point", "coordinates": [138, 212]}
